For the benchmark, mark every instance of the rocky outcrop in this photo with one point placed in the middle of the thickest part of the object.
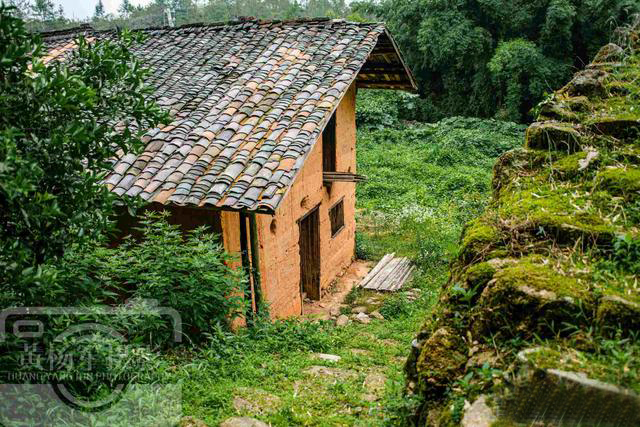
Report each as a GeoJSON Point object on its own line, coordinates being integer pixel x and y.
{"type": "Point", "coordinates": [553, 261]}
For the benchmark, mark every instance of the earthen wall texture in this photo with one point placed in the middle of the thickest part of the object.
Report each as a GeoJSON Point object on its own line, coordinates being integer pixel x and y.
{"type": "Point", "coordinates": [278, 235]}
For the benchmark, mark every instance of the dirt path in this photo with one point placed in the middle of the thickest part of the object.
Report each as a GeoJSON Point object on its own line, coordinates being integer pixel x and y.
{"type": "Point", "coordinates": [329, 306]}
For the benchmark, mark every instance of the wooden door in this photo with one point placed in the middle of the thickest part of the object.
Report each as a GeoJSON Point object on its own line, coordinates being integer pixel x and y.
{"type": "Point", "coordinates": [310, 254]}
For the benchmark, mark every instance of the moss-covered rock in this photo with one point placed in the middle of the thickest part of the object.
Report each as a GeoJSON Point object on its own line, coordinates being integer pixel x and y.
{"type": "Point", "coordinates": [516, 164]}
{"type": "Point", "coordinates": [557, 110]}
{"type": "Point", "coordinates": [527, 297]}
{"type": "Point", "coordinates": [557, 136]}
{"type": "Point", "coordinates": [608, 54]}
{"type": "Point", "coordinates": [621, 181]}
{"type": "Point", "coordinates": [572, 166]}
{"type": "Point", "coordinates": [561, 213]}
{"type": "Point", "coordinates": [627, 126]}
{"type": "Point", "coordinates": [589, 83]}
{"type": "Point", "coordinates": [562, 386]}
{"type": "Point", "coordinates": [479, 237]}
{"type": "Point", "coordinates": [614, 311]}
{"type": "Point", "coordinates": [478, 275]}
{"type": "Point", "coordinates": [441, 359]}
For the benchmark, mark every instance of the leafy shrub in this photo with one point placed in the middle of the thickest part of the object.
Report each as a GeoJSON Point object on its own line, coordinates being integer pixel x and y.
{"type": "Point", "coordinates": [396, 306]}
{"type": "Point", "coordinates": [121, 295]}
{"type": "Point", "coordinates": [362, 249]}
{"type": "Point", "coordinates": [188, 274]}
{"type": "Point", "coordinates": [378, 109]}
{"type": "Point", "coordinates": [626, 253]}
{"type": "Point", "coordinates": [353, 295]}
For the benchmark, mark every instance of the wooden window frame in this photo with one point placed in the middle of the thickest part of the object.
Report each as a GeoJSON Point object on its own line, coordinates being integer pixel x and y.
{"type": "Point", "coordinates": [331, 218]}
{"type": "Point", "coordinates": [330, 145]}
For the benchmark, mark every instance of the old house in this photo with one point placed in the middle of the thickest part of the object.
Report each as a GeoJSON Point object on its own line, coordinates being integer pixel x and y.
{"type": "Point", "coordinates": [262, 146]}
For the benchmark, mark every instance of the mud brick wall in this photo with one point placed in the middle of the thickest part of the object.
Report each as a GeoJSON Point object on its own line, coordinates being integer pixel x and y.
{"type": "Point", "coordinates": [279, 234]}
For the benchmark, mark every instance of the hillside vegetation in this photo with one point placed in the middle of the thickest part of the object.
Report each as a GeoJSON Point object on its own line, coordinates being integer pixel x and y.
{"type": "Point", "coordinates": [547, 277]}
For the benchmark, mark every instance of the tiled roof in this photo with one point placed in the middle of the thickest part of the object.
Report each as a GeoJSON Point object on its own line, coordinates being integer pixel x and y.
{"type": "Point", "coordinates": [249, 99]}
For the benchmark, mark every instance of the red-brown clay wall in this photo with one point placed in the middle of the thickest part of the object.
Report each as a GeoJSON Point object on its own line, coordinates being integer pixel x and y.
{"type": "Point", "coordinates": [279, 235]}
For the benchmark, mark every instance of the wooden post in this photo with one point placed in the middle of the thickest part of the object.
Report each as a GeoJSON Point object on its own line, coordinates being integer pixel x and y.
{"type": "Point", "coordinates": [246, 266]}
{"type": "Point", "coordinates": [255, 260]}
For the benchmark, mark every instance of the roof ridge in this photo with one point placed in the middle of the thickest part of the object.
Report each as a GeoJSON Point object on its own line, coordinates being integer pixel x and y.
{"type": "Point", "coordinates": [76, 29]}
{"type": "Point", "coordinates": [238, 21]}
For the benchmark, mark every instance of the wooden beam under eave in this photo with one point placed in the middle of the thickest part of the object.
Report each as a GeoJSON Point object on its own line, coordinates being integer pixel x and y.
{"type": "Point", "coordinates": [381, 68]}
{"type": "Point", "coordinates": [329, 177]}
{"type": "Point", "coordinates": [374, 85]}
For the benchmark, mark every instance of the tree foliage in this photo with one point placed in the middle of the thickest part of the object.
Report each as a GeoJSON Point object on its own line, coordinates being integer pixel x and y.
{"type": "Point", "coordinates": [57, 136]}
{"type": "Point", "coordinates": [99, 10]}
{"type": "Point", "coordinates": [192, 11]}
{"type": "Point", "coordinates": [462, 50]}
{"type": "Point", "coordinates": [39, 15]}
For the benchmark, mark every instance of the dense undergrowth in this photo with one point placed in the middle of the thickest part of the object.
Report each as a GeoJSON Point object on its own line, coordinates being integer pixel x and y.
{"type": "Point", "coordinates": [425, 182]}
{"type": "Point", "coordinates": [546, 277]}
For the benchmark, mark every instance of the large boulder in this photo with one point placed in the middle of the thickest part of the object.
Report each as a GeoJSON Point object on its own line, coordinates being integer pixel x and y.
{"type": "Point", "coordinates": [441, 358]}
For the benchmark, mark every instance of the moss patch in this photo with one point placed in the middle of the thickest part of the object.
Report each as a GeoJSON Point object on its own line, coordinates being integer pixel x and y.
{"type": "Point", "coordinates": [615, 310]}
{"type": "Point", "coordinates": [563, 213]}
{"type": "Point", "coordinates": [516, 164]}
{"type": "Point", "coordinates": [571, 166]}
{"type": "Point", "coordinates": [479, 238]}
{"type": "Point", "coordinates": [441, 358]}
{"type": "Point", "coordinates": [541, 277]}
{"type": "Point", "coordinates": [621, 181]}
{"type": "Point", "coordinates": [553, 136]}
{"type": "Point", "coordinates": [562, 357]}
{"type": "Point", "coordinates": [479, 275]}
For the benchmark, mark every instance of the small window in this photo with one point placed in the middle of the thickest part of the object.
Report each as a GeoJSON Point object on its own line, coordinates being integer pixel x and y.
{"type": "Point", "coordinates": [336, 216]}
{"type": "Point", "coordinates": [329, 146]}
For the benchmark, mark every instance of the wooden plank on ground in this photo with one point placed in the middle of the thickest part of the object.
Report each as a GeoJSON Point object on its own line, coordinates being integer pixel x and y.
{"type": "Point", "coordinates": [394, 275]}
{"type": "Point", "coordinates": [389, 275]}
{"type": "Point", "coordinates": [382, 276]}
{"type": "Point", "coordinates": [385, 259]}
{"type": "Point", "coordinates": [373, 283]}
{"type": "Point", "coordinates": [405, 278]}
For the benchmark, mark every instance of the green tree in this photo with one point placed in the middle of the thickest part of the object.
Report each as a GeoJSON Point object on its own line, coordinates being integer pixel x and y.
{"type": "Point", "coordinates": [521, 73]}
{"type": "Point", "coordinates": [99, 12]}
{"type": "Point", "coordinates": [126, 8]}
{"type": "Point", "coordinates": [57, 137]}
{"type": "Point", "coordinates": [44, 10]}
{"type": "Point", "coordinates": [449, 44]}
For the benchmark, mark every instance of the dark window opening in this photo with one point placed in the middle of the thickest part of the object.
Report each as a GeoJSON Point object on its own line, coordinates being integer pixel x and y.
{"type": "Point", "coordinates": [329, 146]}
{"type": "Point", "coordinates": [336, 216]}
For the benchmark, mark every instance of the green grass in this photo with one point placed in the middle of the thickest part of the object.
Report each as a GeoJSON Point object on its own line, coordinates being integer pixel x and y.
{"type": "Point", "coordinates": [212, 378]}
{"type": "Point", "coordinates": [424, 183]}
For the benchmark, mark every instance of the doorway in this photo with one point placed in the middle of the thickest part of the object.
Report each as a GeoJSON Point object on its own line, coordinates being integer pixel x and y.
{"type": "Point", "coordinates": [310, 254]}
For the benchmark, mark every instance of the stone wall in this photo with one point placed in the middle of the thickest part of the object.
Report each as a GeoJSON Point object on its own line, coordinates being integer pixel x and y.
{"type": "Point", "coordinates": [551, 263]}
